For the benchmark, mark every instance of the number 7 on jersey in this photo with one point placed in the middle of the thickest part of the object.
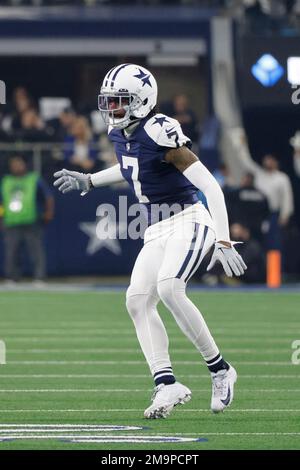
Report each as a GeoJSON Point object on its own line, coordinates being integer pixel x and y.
{"type": "Point", "coordinates": [134, 164]}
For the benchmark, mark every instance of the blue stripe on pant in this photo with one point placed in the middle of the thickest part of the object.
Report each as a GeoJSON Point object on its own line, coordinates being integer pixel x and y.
{"type": "Point", "coordinates": [190, 253]}
{"type": "Point", "coordinates": [198, 258]}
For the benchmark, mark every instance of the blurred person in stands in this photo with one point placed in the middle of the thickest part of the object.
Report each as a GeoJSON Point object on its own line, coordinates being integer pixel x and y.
{"type": "Point", "coordinates": [249, 206]}
{"type": "Point", "coordinates": [62, 125]}
{"type": "Point", "coordinates": [80, 147]}
{"type": "Point", "coordinates": [12, 112]}
{"type": "Point", "coordinates": [224, 178]}
{"type": "Point", "coordinates": [272, 182]}
{"type": "Point", "coordinates": [277, 188]}
{"type": "Point", "coordinates": [185, 116]}
{"type": "Point", "coordinates": [26, 205]}
{"type": "Point", "coordinates": [295, 143]}
{"type": "Point", "coordinates": [22, 102]}
{"type": "Point", "coordinates": [33, 128]}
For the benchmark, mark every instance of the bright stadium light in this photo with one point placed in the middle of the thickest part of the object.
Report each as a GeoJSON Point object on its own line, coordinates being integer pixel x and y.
{"type": "Point", "coordinates": [293, 70]}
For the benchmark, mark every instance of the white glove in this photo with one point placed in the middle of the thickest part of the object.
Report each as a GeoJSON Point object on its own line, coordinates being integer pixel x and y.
{"type": "Point", "coordinates": [70, 180]}
{"type": "Point", "coordinates": [230, 259]}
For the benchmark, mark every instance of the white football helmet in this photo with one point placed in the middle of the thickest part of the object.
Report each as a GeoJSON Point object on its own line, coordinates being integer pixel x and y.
{"type": "Point", "coordinates": [128, 93]}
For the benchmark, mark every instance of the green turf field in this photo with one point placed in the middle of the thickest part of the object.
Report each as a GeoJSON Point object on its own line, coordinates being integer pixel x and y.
{"type": "Point", "coordinates": [73, 359]}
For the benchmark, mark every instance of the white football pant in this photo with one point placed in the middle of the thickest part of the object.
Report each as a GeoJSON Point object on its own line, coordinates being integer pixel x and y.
{"type": "Point", "coordinates": [161, 271]}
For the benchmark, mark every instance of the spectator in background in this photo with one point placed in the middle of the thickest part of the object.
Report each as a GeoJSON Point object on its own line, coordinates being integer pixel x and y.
{"type": "Point", "coordinates": [277, 188]}
{"type": "Point", "coordinates": [33, 128]}
{"type": "Point", "coordinates": [80, 148]}
{"type": "Point", "coordinates": [248, 206]}
{"type": "Point", "coordinates": [224, 178]}
{"type": "Point", "coordinates": [272, 182]}
{"type": "Point", "coordinates": [63, 124]}
{"type": "Point", "coordinates": [295, 143]}
{"type": "Point", "coordinates": [27, 204]}
{"type": "Point", "coordinates": [185, 116]}
{"type": "Point", "coordinates": [22, 102]}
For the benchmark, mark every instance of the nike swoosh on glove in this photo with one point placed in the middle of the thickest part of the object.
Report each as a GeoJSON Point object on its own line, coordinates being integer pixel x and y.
{"type": "Point", "coordinates": [71, 180]}
{"type": "Point", "coordinates": [230, 259]}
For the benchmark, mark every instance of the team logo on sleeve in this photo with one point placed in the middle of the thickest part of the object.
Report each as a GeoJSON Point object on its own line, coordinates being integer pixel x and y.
{"type": "Point", "coordinates": [160, 120]}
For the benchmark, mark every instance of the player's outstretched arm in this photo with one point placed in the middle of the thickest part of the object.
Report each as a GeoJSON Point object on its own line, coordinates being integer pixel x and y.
{"type": "Point", "coordinates": [73, 180]}
{"type": "Point", "coordinates": [224, 252]}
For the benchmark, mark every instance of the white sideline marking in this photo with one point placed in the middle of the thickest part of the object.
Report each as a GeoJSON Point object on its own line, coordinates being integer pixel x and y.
{"type": "Point", "coordinates": [134, 376]}
{"type": "Point", "coordinates": [135, 410]}
{"type": "Point", "coordinates": [96, 362]}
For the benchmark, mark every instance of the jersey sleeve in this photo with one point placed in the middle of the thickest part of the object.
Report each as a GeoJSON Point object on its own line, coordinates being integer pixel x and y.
{"type": "Point", "coordinates": [166, 132]}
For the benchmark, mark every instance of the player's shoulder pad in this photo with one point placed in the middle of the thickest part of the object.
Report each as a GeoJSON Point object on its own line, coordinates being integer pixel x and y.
{"type": "Point", "coordinates": [165, 131]}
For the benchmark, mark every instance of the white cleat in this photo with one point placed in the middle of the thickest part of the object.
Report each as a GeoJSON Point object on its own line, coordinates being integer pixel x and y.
{"type": "Point", "coordinates": [222, 389]}
{"type": "Point", "coordinates": [165, 397]}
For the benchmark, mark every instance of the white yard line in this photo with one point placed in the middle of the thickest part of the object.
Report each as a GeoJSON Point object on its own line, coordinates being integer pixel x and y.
{"type": "Point", "coordinates": [136, 376]}
{"type": "Point", "coordinates": [130, 390]}
{"type": "Point", "coordinates": [96, 362]}
{"type": "Point", "coordinates": [99, 338]}
{"type": "Point", "coordinates": [104, 438]}
{"type": "Point", "coordinates": [65, 425]}
{"type": "Point", "coordinates": [79, 323]}
{"type": "Point", "coordinates": [127, 329]}
{"type": "Point", "coordinates": [203, 434]}
{"type": "Point", "coordinates": [134, 410]}
{"type": "Point", "coordinates": [137, 351]}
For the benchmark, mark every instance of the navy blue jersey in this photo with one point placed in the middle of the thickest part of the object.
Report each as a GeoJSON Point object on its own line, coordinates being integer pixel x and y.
{"type": "Point", "coordinates": [141, 157]}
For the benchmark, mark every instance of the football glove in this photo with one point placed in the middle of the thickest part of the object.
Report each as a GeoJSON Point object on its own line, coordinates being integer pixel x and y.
{"type": "Point", "coordinates": [71, 180]}
{"type": "Point", "coordinates": [230, 259]}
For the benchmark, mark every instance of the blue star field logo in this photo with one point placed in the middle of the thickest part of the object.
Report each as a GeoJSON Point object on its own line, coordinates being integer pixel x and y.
{"type": "Point", "coordinates": [267, 70]}
{"type": "Point", "coordinates": [160, 120]}
{"type": "Point", "coordinates": [144, 77]}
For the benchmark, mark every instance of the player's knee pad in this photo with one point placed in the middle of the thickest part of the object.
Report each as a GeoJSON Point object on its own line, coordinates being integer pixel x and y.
{"type": "Point", "coordinates": [135, 301]}
{"type": "Point", "coordinates": [132, 302]}
{"type": "Point", "coordinates": [170, 289]}
{"type": "Point", "coordinates": [138, 301]}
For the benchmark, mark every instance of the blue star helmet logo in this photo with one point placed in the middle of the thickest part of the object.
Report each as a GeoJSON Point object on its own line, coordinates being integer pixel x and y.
{"type": "Point", "coordinates": [144, 77]}
{"type": "Point", "coordinates": [267, 70]}
{"type": "Point", "coordinates": [160, 120]}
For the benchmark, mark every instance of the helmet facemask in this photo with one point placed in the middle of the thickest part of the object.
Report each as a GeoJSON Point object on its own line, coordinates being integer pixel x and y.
{"type": "Point", "coordinates": [117, 108]}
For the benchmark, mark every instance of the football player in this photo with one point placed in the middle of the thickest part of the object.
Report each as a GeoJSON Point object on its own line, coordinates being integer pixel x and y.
{"type": "Point", "coordinates": [154, 156]}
